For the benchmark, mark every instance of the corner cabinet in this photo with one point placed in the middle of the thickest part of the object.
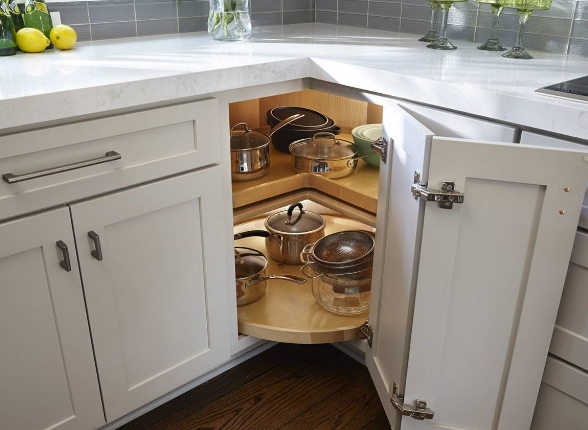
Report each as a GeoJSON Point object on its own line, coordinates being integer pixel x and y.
{"type": "Point", "coordinates": [155, 291]}
{"type": "Point", "coordinates": [47, 373]}
{"type": "Point", "coordinates": [464, 293]}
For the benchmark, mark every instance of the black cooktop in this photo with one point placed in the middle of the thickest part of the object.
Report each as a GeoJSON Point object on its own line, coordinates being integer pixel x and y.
{"type": "Point", "coordinates": [576, 89]}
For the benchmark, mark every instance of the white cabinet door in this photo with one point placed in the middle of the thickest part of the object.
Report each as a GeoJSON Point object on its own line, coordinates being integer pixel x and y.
{"type": "Point", "coordinates": [47, 372]}
{"type": "Point", "coordinates": [535, 139]}
{"type": "Point", "coordinates": [490, 277]}
{"type": "Point", "coordinates": [463, 312]}
{"type": "Point", "coordinates": [156, 292]}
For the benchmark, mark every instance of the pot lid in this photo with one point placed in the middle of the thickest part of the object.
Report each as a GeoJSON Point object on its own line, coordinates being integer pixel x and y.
{"type": "Point", "coordinates": [309, 118]}
{"type": "Point", "coordinates": [323, 146]}
{"type": "Point", "coordinates": [243, 138]}
{"type": "Point", "coordinates": [295, 222]}
{"type": "Point", "coordinates": [248, 262]}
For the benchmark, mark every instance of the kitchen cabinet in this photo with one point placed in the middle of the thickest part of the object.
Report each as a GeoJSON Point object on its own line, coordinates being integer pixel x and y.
{"type": "Point", "coordinates": [155, 290]}
{"type": "Point", "coordinates": [466, 298]}
{"type": "Point", "coordinates": [47, 373]}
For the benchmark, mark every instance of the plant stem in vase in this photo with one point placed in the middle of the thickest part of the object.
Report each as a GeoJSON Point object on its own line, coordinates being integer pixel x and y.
{"type": "Point", "coordinates": [229, 20]}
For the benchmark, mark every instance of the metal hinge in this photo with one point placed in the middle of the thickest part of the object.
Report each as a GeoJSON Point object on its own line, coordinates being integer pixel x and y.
{"type": "Point", "coordinates": [419, 411]}
{"type": "Point", "coordinates": [367, 331]}
{"type": "Point", "coordinates": [381, 146]}
{"type": "Point", "coordinates": [445, 197]}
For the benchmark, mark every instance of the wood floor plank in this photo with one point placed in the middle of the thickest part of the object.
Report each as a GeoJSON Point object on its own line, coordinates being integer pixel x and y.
{"type": "Point", "coordinates": [287, 387]}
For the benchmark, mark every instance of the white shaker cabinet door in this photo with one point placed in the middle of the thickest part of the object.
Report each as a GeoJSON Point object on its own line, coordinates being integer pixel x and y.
{"type": "Point", "coordinates": [490, 277]}
{"type": "Point", "coordinates": [47, 372]}
{"type": "Point", "coordinates": [153, 261]}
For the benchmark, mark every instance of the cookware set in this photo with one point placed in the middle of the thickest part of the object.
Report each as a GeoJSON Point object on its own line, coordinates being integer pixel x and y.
{"type": "Point", "coordinates": [339, 264]}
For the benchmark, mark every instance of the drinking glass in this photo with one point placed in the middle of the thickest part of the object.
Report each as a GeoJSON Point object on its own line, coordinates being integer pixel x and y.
{"type": "Point", "coordinates": [442, 42]}
{"type": "Point", "coordinates": [493, 44]}
{"type": "Point", "coordinates": [432, 35]}
{"type": "Point", "coordinates": [524, 9]}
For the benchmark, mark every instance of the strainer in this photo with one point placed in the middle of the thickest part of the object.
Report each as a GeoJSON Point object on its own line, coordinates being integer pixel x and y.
{"type": "Point", "coordinates": [343, 249]}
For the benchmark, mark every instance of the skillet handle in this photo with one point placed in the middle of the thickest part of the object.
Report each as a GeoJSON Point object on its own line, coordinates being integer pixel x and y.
{"type": "Point", "coordinates": [251, 233]}
{"type": "Point", "coordinates": [292, 278]}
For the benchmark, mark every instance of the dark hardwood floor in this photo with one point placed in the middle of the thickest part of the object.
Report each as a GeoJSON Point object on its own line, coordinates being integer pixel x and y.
{"type": "Point", "coordinates": [291, 387]}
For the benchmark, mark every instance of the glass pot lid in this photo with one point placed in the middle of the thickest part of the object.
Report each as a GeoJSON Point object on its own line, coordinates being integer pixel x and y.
{"type": "Point", "coordinates": [291, 222]}
{"type": "Point", "coordinates": [324, 146]}
{"type": "Point", "coordinates": [243, 138]}
{"type": "Point", "coordinates": [248, 262]}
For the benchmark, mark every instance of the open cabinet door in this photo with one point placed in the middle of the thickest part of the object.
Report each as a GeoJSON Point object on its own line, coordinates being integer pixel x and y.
{"type": "Point", "coordinates": [397, 248]}
{"type": "Point", "coordinates": [490, 277]}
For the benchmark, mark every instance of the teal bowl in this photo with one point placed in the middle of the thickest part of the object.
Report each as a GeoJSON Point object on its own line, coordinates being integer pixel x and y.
{"type": "Point", "coordinates": [363, 137]}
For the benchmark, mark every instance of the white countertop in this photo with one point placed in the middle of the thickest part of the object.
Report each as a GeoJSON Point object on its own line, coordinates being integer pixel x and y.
{"type": "Point", "coordinates": [101, 76]}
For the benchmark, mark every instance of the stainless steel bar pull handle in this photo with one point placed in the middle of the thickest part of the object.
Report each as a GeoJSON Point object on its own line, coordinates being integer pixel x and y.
{"type": "Point", "coordinates": [97, 251]}
{"type": "Point", "coordinates": [65, 263]}
{"type": "Point", "coordinates": [11, 178]}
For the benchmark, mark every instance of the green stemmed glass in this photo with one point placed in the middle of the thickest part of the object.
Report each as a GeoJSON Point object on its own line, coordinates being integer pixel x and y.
{"type": "Point", "coordinates": [524, 9]}
{"type": "Point", "coordinates": [432, 35]}
{"type": "Point", "coordinates": [493, 44]}
{"type": "Point", "coordinates": [442, 42]}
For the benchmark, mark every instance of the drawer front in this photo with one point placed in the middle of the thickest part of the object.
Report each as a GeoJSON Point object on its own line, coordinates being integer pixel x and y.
{"type": "Point", "coordinates": [563, 398]}
{"type": "Point", "coordinates": [570, 336]}
{"type": "Point", "coordinates": [540, 140]}
{"type": "Point", "coordinates": [151, 144]}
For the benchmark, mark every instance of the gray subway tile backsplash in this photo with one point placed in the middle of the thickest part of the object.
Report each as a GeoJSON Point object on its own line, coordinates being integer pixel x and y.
{"type": "Point", "coordinates": [561, 29]}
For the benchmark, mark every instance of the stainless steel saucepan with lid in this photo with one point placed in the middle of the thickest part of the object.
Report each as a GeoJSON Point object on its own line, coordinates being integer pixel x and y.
{"type": "Point", "coordinates": [250, 151]}
{"type": "Point", "coordinates": [251, 276]}
{"type": "Point", "coordinates": [290, 232]}
{"type": "Point", "coordinates": [325, 155]}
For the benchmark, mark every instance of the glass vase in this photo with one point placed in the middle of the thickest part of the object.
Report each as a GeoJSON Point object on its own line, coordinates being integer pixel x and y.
{"type": "Point", "coordinates": [229, 20]}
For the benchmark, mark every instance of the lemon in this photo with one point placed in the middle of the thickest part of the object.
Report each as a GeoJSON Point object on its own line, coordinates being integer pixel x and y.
{"type": "Point", "coordinates": [63, 36]}
{"type": "Point", "coordinates": [31, 40]}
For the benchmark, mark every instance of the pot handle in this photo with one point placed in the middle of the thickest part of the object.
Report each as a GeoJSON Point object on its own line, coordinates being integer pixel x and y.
{"type": "Point", "coordinates": [292, 278]}
{"type": "Point", "coordinates": [359, 157]}
{"type": "Point", "coordinates": [284, 123]}
{"type": "Point", "coordinates": [306, 252]}
{"type": "Point", "coordinates": [324, 134]}
{"type": "Point", "coordinates": [246, 129]}
{"type": "Point", "coordinates": [291, 211]}
{"type": "Point", "coordinates": [303, 270]}
{"type": "Point", "coordinates": [250, 233]}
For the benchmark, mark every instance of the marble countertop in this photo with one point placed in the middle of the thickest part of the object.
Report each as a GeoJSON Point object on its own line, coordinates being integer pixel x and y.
{"type": "Point", "coordinates": [97, 77]}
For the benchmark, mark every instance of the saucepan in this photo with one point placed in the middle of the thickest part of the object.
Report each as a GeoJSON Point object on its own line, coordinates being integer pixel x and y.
{"type": "Point", "coordinates": [250, 150]}
{"type": "Point", "coordinates": [250, 275]}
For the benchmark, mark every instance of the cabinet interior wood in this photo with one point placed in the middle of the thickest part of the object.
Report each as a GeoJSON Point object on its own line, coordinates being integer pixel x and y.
{"type": "Point", "coordinates": [288, 312]}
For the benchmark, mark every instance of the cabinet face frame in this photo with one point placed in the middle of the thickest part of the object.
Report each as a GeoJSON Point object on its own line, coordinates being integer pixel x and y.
{"type": "Point", "coordinates": [54, 364]}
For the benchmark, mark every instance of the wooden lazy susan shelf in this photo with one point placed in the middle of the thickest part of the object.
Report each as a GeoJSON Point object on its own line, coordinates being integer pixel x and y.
{"type": "Point", "coordinates": [359, 189]}
{"type": "Point", "coordinates": [288, 312]}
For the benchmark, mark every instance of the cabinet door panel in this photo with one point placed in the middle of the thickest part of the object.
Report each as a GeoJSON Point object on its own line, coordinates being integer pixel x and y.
{"type": "Point", "coordinates": [47, 373]}
{"type": "Point", "coordinates": [390, 307]}
{"type": "Point", "coordinates": [155, 299]}
{"type": "Point", "coordinates": [490, 277]}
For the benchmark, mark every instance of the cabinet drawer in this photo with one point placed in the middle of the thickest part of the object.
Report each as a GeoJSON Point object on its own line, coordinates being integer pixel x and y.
{"type": "Point", "coordinates": [152, 143]}
{"type": "Point", "coordinates": [563, 398]}
{"type": "Point", "coordinates": [570, 336]}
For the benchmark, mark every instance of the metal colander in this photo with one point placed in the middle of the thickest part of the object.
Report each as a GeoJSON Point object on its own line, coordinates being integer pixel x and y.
{"type": "Point", "coordinates": [345, 248]}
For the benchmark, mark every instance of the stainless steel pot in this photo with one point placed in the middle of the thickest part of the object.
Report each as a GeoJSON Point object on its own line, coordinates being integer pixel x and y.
{"type": "Point", "coordinates": [325, 155]}
{"type": "Point", "coordinates": [250, 151]}
{"type": "Point", "coordinates": [289, 236]}
{"type": "Point", "coordinates": [250, 275]}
